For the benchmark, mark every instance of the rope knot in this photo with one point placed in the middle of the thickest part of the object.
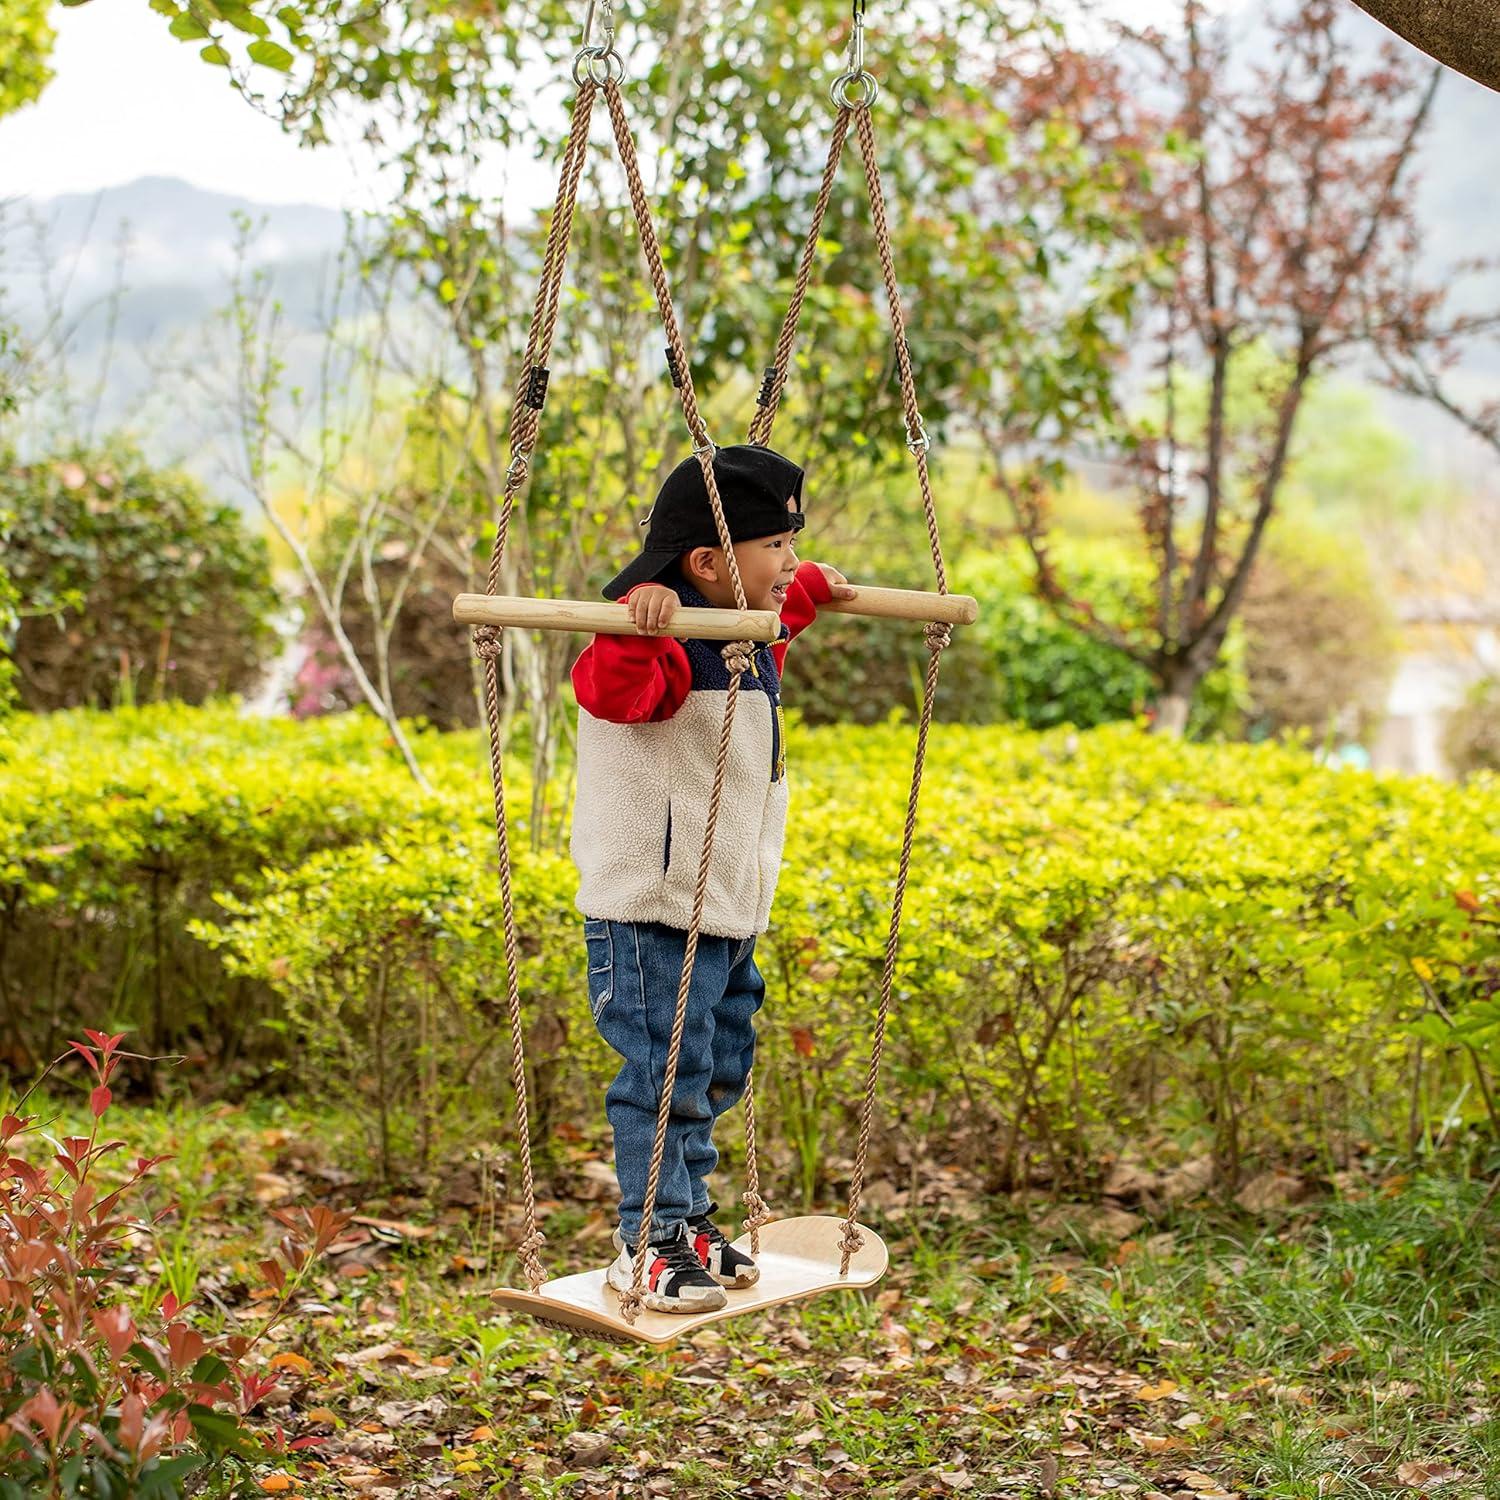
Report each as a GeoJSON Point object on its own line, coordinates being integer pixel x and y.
{"type": "Point", "coordinates": [938, 636]}
{"type": "Point", "coordinates": [487, 642]}
{"type": "Point", "coordinates": [738, 657]}
{"type": "Point", "coordinates": [852, 1242]}
{"type": "Point", "coordinates": [756, 1212]}
{"type": "Point", "coordinates": [529, 1252]}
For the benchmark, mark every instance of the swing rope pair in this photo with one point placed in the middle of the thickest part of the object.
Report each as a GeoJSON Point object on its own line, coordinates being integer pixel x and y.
{"type": "Point", "coordinates": [596, 69]}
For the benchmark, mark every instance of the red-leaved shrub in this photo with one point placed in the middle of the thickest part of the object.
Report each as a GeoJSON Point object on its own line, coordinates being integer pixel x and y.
{"type": "Point", "coordinates": [94, 1402]}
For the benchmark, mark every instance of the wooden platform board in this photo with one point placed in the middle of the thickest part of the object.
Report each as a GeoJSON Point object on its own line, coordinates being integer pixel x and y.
{"type": "Point", "coordinates": [798, 1258]}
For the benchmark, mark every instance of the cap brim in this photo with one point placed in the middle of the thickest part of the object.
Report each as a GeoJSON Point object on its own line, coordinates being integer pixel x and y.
{"type": "Point", "coordinates": [647, 567]}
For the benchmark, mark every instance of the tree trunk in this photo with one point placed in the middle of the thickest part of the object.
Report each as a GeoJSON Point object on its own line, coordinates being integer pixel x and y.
{"type": "Point", "coordinates": [1179, 683]}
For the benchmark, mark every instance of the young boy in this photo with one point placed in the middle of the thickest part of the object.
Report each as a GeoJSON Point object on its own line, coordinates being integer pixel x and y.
{"type": "Point", "coordinates": [651, 711]}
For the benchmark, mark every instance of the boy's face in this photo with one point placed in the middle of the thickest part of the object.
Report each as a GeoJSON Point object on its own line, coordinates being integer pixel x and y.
{"type": "Point", "coordinates": [767, 565]}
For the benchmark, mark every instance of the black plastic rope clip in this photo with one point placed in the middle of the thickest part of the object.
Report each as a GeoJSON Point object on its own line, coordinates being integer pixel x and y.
{"type": "Point", "coordinates": [536, 386]}
{"type": "Point", "coordinates": [768, 385]}
{"type": "Point", "coordinates": [673, 368]}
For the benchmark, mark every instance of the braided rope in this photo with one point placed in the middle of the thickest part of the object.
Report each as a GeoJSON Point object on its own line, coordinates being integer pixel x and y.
{"type": "Point", "coordinates": [765, 416]}
{"type": "Point", "coordinates": [756, 1212]}
{"type": "Point", "coordinates": [937, 639]}
{"type": "Point", "coordinates": [487, 639]}
{"type": "Point", "coordinates": [738, 656]}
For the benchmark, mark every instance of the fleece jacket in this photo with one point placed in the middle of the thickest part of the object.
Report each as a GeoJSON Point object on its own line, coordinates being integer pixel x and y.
{"type": "Point", "coordinates": [651, 710]}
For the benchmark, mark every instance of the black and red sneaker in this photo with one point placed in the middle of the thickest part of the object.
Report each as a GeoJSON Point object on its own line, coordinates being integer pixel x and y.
{"type": "Point", "coordinates": [675, 1281]}
{"type": "Point", "coordinates": [727, 1266]}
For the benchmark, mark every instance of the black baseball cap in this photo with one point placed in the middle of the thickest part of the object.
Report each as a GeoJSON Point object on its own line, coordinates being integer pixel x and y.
{"type": "Point", "coordinates": [755, 485]}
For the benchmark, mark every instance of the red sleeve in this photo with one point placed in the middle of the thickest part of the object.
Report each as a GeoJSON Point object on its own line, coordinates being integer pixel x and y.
{"type": "Point", "coordinates": [632, 679]}
{"type": "Point", "coordinates": [808, 590]}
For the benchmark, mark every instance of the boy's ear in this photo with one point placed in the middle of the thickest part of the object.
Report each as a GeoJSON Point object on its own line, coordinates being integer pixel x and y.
{"type": "Point", "coordinates": [699, 563]}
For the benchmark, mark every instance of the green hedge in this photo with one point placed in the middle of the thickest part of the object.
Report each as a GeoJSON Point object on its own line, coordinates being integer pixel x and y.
{"type": "Point", "coordinates": [1018, 664]}
{"type": "Point", "coordinates": [1109, 935]}
{"type": "Point", "coordinates": [131, 583]}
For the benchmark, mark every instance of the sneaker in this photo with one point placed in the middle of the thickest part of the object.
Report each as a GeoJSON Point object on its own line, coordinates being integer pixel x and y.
{"type": "Point", "coordinates": [675, 1279]}
{"type": "Point", "coordinates": [727, 1266]}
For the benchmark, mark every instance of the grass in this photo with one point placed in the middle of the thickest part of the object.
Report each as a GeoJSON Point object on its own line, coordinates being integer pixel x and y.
{"type": "Point", "coordinates": [1311, 1353]}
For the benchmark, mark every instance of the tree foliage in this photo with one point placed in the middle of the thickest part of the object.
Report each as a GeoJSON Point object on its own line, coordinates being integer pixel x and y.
{"type": "Point", "coordinates": [26, 41]}
{"type": "Point", "coordinates": [1286, 214]}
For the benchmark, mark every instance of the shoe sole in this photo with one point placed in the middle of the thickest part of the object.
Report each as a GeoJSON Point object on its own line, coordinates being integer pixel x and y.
{"type": "Point", "coordinates": [658, 1303]}
{"type": "Point", "coordinates": [744, 1279]}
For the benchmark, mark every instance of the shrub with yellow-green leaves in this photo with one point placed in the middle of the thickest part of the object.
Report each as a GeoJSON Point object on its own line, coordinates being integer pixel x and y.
{"type": "Point", "coordinates": [1109, 936]}
{"type": "Point", "coordinates": [116, 830]}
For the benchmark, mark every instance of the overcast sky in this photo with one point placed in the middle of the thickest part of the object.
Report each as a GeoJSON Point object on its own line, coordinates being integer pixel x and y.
{"type": "Point", "coordinates": [130, 100]}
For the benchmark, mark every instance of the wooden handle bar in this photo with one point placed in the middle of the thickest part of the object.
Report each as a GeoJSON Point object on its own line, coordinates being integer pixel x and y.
{"type": "Point", "coordinates": [604, 618]}
{"type": "Point", "coordinates": [908, 604]}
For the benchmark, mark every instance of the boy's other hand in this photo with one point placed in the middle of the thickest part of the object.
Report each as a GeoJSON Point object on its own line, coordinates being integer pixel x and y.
{"type": "Point", "coordinates": [651, 608]}
{"type": "Point", "coordinates": [838, 585]}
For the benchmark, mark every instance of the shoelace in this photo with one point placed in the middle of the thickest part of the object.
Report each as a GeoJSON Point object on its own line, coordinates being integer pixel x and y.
{"type": "Point", "coordinates": [716, 1236]}
{"type": "Point", "coordinates": [679, 1255]}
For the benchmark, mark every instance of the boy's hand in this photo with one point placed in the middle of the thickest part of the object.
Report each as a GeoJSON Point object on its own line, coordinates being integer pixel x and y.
{"type": "Point", "coordinates": [838, 585]}
{"type": "Point", "coordinates": [651, 608]}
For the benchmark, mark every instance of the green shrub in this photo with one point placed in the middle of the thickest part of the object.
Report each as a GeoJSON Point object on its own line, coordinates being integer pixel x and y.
{"type": "Point", "coordinates": [1226, 947]}
{"type": "Point", "coordinates": [132, 586]}
{"type": "Point", "coordinates": [390, 960]}
{"type": "Point", "coordinates": [116, 829]}
{"type": "Point", "coordinates": [1019, 663]}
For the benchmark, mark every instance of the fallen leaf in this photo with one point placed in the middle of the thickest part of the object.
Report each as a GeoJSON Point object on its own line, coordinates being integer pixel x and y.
{"type": "Point", "coordinates": [289, 1361]}
{"type": "Point", "coordinates": [277, 1484]}
{"type": "Point", "coordinates": [1419, 1474]}
{"type": "Point", "coordinates": [1152, 1442]}
{"type": "Point", "coordinates": [1156, 1392]}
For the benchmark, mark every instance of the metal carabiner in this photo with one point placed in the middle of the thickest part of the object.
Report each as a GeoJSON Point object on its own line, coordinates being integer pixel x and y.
{"type": "Point", "coordinates": [606, 8]}
{"type": "Point", "coordinates": [599, 61]}
{"type": "Point", "coordinates": [855, 74]}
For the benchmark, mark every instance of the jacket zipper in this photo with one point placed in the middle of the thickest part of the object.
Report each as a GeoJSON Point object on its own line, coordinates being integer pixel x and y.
{"type": "Point", "coordinates": [778, 765]}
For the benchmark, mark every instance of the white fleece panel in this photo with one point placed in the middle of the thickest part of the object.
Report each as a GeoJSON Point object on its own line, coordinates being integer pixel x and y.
{"type": "Point", "coordinates": [638, 781]}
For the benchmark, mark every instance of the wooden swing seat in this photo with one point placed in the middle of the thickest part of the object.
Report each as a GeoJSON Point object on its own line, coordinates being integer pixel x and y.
{"type": "Point", "coordinates": [798, 1258]}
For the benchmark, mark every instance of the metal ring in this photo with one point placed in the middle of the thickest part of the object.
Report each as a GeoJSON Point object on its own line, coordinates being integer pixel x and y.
{"type": "Point", "coordinates": [600, 64]}
{"type": "Point", "coordinates": [920, 442]}
{"type": "Point", "coordinates": [707, 445]}
{"type": "Point", "coordinates": [519, 466]}
{"type": "Point", "coordinates": [839, 90]}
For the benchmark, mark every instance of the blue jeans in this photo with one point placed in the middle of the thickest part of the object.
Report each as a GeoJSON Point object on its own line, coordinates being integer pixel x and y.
{"type": "Point", "coordinates": [635, 969]}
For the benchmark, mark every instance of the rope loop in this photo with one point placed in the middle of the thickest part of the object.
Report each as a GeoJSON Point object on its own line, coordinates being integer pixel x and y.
{"type": "Point", "coordinates": [517, 470]}
{"type": "Point", "coordinates": [600, 65]}
{"type": "Point", "coordinates": [918, 442]}
{"type": "Point", "coordinates": [868, 90]}
{"type": "Point", "coordinates": [738, 657]}
{"type": "Point", "coordinates": [938, 636]}
{"type": "Point", "coordinates": [487, 642]}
